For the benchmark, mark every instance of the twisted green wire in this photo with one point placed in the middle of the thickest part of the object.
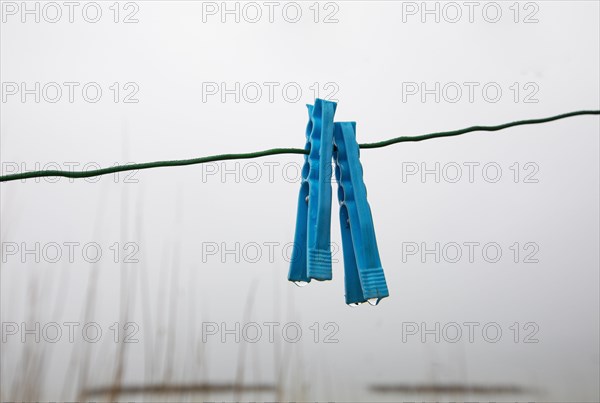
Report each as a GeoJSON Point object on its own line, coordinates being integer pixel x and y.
{"type": "Point", "coordinates": [275, 151]}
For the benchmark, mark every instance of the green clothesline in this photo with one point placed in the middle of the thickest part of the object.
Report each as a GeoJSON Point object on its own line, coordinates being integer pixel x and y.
{"type": "Point", "coordinates": [275, 151]}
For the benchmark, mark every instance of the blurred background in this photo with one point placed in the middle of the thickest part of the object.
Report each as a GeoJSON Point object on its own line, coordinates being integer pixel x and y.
{"type": "Point", "coordinates": [171, 283]}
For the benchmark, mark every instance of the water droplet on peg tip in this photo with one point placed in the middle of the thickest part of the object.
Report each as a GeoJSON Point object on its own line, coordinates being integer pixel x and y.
{"type": "Point", "coordinates": [300, 283]}
{"type": "Point", "coordinates": [373, 301]}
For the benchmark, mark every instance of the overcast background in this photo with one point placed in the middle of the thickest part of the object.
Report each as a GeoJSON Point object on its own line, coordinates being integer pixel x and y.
{"type": "Point", "coordinates": [532, 193]}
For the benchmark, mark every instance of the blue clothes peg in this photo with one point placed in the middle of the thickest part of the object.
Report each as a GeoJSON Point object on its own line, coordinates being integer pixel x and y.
{"type": "Point", "coordinates": [364, 278]}
{"type": "Point", "coordinates": [311, 256]}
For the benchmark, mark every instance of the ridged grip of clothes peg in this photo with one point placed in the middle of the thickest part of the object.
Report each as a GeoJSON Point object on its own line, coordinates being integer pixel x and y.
{"type": "Point", "coordinates": [311, 257]}
{"type": "Point", "coordinates": [364, 277]}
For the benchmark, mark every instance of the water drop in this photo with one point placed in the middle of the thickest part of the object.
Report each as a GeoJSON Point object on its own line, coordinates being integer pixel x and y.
{"type": "Point", "coordinates": [300, 283]}
{"type": "Point", "coordinates": [373, 301]}
{"type": "Point", "coordinates": [306, 199]}
{"type": "Point", "coordinates": [354, 304]}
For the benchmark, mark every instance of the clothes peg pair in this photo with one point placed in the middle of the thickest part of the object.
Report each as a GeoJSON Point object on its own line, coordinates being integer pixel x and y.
{"type": "Point", "coordinates": [311, 258]}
